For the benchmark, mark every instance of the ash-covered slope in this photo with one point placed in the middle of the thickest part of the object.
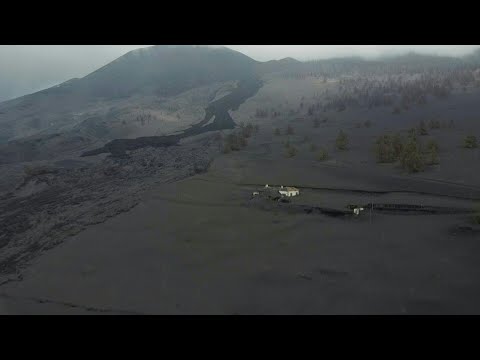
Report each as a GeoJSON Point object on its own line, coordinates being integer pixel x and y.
{"type": "Point", "coordinates": [167, 70]}
{"type": "Point", "coordinates": [158, 71]}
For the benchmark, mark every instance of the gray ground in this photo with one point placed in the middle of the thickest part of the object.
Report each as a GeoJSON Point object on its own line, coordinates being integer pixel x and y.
{"type": "Point", "coordinates": [197, 247]}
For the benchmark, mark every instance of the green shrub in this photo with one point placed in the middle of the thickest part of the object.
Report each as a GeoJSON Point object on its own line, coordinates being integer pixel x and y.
{"type": "Point", "coordinates": [246, 131]}
{"type": "Point", "coordinates": [411, 157]}
{"type": "Point", "coordinates": [398, 144]}
{"type": "Point", "coordinates": [432, 153]}
{"type": "Point", "coordinates": [432, 145]}
{"type": "Point", "coordinates": [234, 142]}
{"type": "Point", "coordinates": [388, 148]}
{"type": "Point", "coordinates": [341, 142]}
{"type": "Point", "coordinates": [368, 124]}
{"type": "Point", "coordinates": [470, 142]}
{"type": "Point", "coordinates": [226, 148]}
{"type": "Point", "coordinates": [476, 215]}
{"type": "Point", "coordinates": [384, 149]}
{"type": "Point", "coordinates": [291, 151]}
{"type": "Point", "coordinates": [476, 218]}
{"type": "Point", "coordinates": [434, 124]}
{"type": "Point", "coordinates": [290, 130]}
{"type": "Point", "coordinates": [313, 148]}
{"type": "Point", "coordinates": [260, 113]}
{"type": "Point", "coordinates": [422, 129]}
{"type": "Point", "coordinates": [413, 133]}
{"type": "Point", "coordinates": [432, 158]}
{"type": "Point", "coordinates": [277, 132]}
{"type": "Point", "coordinates": [322, 155]}
{"type": "Point", "coordinates": [242, 141]}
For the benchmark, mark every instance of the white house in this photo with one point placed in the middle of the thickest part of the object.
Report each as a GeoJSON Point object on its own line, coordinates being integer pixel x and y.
{"type": "Point", "coordinates": [357, 210]}
{"type": "Point", "coordinates": [289, 191]}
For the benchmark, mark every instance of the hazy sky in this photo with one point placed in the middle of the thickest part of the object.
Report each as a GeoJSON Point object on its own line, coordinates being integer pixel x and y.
{"type": "Point", "coordinates": [308, 52]}
{"type": "Point", "coordinates": [29, 68]}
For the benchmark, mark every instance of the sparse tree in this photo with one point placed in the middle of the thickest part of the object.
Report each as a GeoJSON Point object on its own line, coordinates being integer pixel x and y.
{"type": "Point", "coordinates": [470, 142]}
{"type": "Point", "coordinates": [398, 144]}
{"type": "Point", "coordinates": [290, 130]}
{"type": "Point", "coordinates": [291, 151]}
{"type": "Point", "coordinates": [413, 133]}
{"type": "Point", "coordinates": [388, 148]}
{"type": "Point", "coordinates": [246, 131]}
{"type": "Point", "coordinates": [259, 113]}
{"type": "Point", "coordinates": [341, 142]}
{"type": "Point", "coordinates": [227, 148]}
{"type": "Point", "coordinates": [322, 155]}
{"type": "Point", "coordinates": [432, 145]}
{"type": "Point", "coordinates": [434, 124]}
{"type": "Point", "coordinates": [411, 158]}
{"type": "Point", "coordinates": [217, 136]}
{"type": "Point", "coordinates": [242, 141]}
{"type": "Point", "coordinates": [432, 153]}
{"type": "Point", "coordinates": [234, 142]}
{"type": "Point", "coordinates": [422, 129]}
{"type": "Point", "coordinates": [476, 215]}
{"type": "Point", "coordinates": [385, 150]}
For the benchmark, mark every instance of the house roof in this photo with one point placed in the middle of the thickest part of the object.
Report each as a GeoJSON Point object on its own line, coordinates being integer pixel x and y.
{"type": "Point", "coordinates": [290, 188]}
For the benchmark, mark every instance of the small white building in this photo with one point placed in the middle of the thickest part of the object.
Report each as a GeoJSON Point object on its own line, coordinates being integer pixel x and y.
{"type": "Point", "coordinates": [289, 191]}
{"type": "Point", "coordinates": [357, 210]}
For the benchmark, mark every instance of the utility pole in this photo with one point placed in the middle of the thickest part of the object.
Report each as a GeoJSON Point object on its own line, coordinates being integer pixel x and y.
{"type": "Point", "coordinates": [371, 209]}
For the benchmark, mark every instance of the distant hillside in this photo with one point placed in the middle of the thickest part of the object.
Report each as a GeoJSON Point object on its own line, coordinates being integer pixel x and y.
{"type": "Point", "coordinates": [274, 66]}
{"type": "Point", "coordinates": [407, 63]}
{"type": "Point", "coordinates": [155, 72]}
{"type": "Point", "coordinates": [109, 102]}
{"type": "Point", "coordinates": [473, 58]}
{"type": "Point", "coordinates": [166, 70]}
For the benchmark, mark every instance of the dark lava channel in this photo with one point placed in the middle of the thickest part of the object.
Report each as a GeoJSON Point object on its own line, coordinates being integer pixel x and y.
{"type": "Point", "coordinates": [218, 109]}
